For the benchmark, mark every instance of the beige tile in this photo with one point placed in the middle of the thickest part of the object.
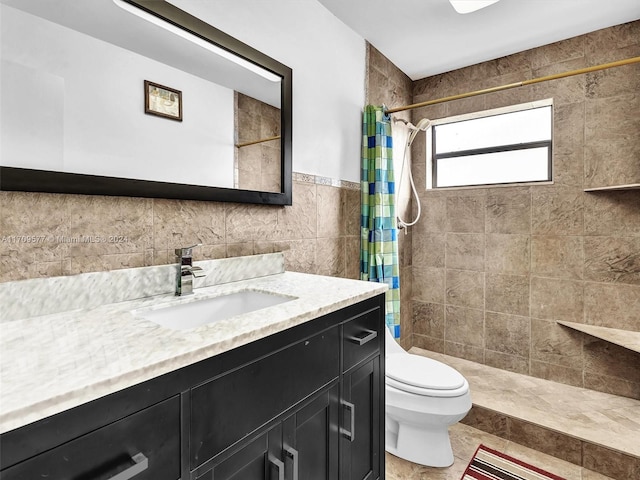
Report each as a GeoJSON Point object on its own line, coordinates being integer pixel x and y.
{"type": "Point", "coordinates": [434, 214]}
{"type": "Point", "coordinates": [464, 326]}
{"type": "Point", "coordinates": [428, 284]}
{"type": "Point", "coordinates": [330, 209]}
{"type": "Point", "coordinates": [465, 251]}
{"type": "Point", "coordinates": [429, 250]}
{"type": "Point", "coordinates": [568, 145]}
{"type": "Point", "coordinates": [556, 373]}
{"type": "Point", "coordinates": [352, 268]}
{"type": "Point", "coordinates": [505, 361]}
{"type": "Point", "coordinates": [565, 91]}
{"type": "Point", "coordinates": [610, 463]}
{"type": "Point", "coordinates": [557, 211]}
{"type": "Point", "coordinates": [299, 256]}
{"type": "Point", "coordinates": [244, 222]}
{"type": "Point", "coordinates": [545, 441]}
{"type": "Point", "coordinates": [488, 421]}
{"type": "Point", "coordinates": [468, 352]}
{"type": "Point", "coordinates": [612, 82]}
{"type": "Point", "coordinates": [557, 256]}
{"type": "Point", "coordinates": [612, 385]}
{"type": "Point", "coordinates": [352, 211]}
{"type": "Point", "coordinates": [240, 249]}
{"type": "Point", "coordinates": [508, 253]}
{"type": "Point", "coordinates": [428, 319]}
{"type": "Point", "coordinates": [428, 343]}
{"type": "Point", "coordinates": [507, 294]}
{"type": "Point", "coordinates": [610, 158]}
{"type": "Point", "coordinates": [330, 257]}
{"type": "Point", "coordinates": [301, 220]}
{"type": "Point", "coordinates": [405, 249]}
{"type": "Point", "coordinates": [613, 213]}
{"type": "Point", "coordinates": [465, 288]}
{"type": "Point", "coordinates": [558, 52]}
{"type": "Point", "coordinates": [102, 263]}
{"type": "Point", "coordinates": [179, 223]}
{"type": "Point", "coordinates": [554, 344]}
{"type": "Point", "coordinates": [557, 299]}
{"type": "Point", "coordinates": [466, 214]}
{"type": "Point", "coordinates": [612, 305]}
{"type": "Point", "coordinates": [508, 334]}
{"type": "Point", "coordinates": [601, 44]}
{"type": "Point", "coordinates": [35, 227]}
{"type": "Point", "coordinates": [509, 211]}
{"type": "Point", "coordinates": [616, 367]}
{"type": "Point", "coordinates": [612, 259]}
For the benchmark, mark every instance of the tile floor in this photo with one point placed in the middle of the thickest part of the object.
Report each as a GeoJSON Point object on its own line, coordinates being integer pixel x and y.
{"type": "Point", "coordinates": [465, 440]}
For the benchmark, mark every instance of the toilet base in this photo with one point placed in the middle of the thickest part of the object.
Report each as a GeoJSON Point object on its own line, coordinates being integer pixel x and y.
{"type": "Point", "coordinates": [430, 447]}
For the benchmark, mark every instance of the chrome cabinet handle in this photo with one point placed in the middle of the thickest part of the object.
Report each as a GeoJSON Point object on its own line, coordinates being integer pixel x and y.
{"type": "Point", "coordinates": [279, 466]}
{"type": "Point", "coordinates": [140, 464]}
{"type": "Point", "coordinates": [370, 335]}
{"type": "Point", "coordinates": [292, 453]}
{"type": "Point", "coordinates": [351, 435]}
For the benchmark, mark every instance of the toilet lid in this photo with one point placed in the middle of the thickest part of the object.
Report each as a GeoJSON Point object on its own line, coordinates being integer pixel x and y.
{"type": "Point", "coordinates": [422, 372]}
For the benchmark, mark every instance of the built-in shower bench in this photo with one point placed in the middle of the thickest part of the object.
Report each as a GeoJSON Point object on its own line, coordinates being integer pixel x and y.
{"type": "Point", "coordinates": [596, 430]}
{"type": "Point", "coordinates": [624, 338]}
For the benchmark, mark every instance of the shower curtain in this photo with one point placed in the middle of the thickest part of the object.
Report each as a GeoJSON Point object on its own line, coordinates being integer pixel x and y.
{"type": "Point", "coordinates": [378, 225]}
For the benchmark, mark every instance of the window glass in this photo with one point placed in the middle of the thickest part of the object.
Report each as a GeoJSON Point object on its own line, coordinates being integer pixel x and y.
{"type": "Point", "coordinates": [506, 129]}
{"type": "Point", "coordinates": [530, 165]}
{"type": "Point", "coordinates": [507, 145]}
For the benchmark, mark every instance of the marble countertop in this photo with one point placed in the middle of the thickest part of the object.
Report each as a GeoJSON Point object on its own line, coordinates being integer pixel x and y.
{"type": "Point", "coordinates": [51, 363]}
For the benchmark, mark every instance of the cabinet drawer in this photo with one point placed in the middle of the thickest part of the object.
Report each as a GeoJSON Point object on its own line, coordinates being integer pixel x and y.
{"type": "Point", "coordinates": [150, 437]}
{"type": "Point", "coordinates": [360, 338]}
{"type": "Point", "coordinates": [230, 407]}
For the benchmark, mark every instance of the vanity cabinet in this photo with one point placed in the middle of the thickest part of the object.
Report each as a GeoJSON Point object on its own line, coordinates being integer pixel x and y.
{"type": "Point", "coordinates": [145, 445]}
{"type": "Point", "coordinates": [362, 399]}
{"type": "Point", "coordinates": [303, 404]}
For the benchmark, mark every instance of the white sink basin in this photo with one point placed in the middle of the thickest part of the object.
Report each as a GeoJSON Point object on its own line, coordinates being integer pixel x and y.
{"type": "Point", "coordinates": [195, 313]}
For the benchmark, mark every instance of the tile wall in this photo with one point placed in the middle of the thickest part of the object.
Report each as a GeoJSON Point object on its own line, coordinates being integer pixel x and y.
{"type": "Point", "coordinates": [257, 166]}
{"type": "Point", "coordinates": [495, 268]}
{"type": "Point", "coordinates": [45, 235]}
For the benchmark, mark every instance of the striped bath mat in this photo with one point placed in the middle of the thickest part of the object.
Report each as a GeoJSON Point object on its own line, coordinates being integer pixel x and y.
{"type": "Point", "coordinates": [489, 464]}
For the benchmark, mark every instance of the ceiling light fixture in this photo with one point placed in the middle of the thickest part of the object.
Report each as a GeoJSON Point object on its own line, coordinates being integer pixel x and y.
{"type": "Point", "coordinates": [198, 41]}
{"type": "Point", "coordinates": [468, 6]}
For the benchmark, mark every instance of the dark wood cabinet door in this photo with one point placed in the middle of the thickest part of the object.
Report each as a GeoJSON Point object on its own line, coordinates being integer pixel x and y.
{"type": "Point", "coordinates": [361, 404]}
{"type": "Point", "coordinates": [311, 440]}
{"type": "Point", "coordinates": [142, 446]}
{"type": "Point", "coordinates": [256, 459]}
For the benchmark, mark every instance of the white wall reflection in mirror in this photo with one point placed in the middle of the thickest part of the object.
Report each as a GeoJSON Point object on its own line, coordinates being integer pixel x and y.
{"type": "Point", "coordinates": [73, 97]}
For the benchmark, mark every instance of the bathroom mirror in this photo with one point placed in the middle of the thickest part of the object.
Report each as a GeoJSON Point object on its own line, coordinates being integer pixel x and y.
{"type": "Point", "coordinates": [139, 98]}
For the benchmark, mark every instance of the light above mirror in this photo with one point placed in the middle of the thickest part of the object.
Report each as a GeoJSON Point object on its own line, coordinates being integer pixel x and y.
{"type": "Point", "coordinates": [198, 41]}
{"type": "Point", "coordinates": [76, 119]}
{"type": "Point", "coordinates": [469, 6]}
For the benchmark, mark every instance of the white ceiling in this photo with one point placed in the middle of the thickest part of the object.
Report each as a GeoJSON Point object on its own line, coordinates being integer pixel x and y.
{"type": "Point", "coordinates": [427, 37]}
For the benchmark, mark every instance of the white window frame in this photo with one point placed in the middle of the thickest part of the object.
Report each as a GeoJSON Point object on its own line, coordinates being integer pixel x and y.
{"type": "Point", "coordinates": [431, 174]}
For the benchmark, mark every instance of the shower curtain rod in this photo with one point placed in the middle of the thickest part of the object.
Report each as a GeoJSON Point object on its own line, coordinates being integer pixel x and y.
{"type": "Point", "coordinates": [262, 140]}
{"type": "Point", "coordinates": [546, 78]}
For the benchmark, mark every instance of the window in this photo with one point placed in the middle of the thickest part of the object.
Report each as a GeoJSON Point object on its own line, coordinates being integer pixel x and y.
{"type": "Point", "coordinates": [501, 146]}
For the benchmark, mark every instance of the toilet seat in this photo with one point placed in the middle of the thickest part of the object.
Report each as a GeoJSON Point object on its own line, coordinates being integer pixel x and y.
{"type": "Point", "coordinates": [423, 376]}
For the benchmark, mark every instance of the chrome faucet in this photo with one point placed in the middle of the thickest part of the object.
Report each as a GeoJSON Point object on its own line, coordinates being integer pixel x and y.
{"type": "Point", "coordinates": [184, 283]}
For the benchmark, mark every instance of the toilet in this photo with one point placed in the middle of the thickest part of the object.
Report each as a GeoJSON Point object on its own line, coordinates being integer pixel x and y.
{"type": "Point", "coordinates": [423, 397]}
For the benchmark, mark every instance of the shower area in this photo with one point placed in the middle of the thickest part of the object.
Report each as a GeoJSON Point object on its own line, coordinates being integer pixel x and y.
{"type": "Point", "coordinates": [494, 275]}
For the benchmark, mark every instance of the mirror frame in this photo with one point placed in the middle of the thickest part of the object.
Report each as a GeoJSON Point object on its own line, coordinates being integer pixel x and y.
{"type": "Point", "coordinates": [32, 180]}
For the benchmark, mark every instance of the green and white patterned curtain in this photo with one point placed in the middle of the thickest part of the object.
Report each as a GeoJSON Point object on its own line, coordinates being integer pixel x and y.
{"type": "Point", "coordinates": [378, 224]}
